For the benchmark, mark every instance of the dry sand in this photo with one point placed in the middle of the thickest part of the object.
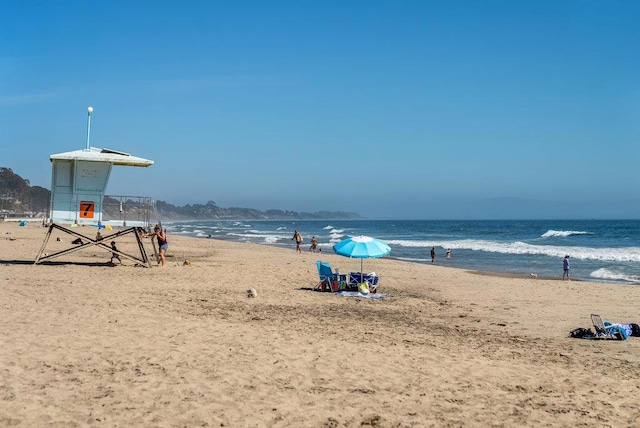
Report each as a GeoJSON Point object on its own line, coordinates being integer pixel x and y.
{"type": "Point", "coordinates": [85, 343]}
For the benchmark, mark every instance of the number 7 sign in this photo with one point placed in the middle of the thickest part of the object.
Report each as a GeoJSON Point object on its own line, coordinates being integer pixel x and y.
{"type": "Point", "coordinates": [86, 209]}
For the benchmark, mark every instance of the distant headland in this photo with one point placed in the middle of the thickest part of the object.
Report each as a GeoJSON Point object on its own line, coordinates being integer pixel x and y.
{"type": "Point", "coordinates": [18, 196]}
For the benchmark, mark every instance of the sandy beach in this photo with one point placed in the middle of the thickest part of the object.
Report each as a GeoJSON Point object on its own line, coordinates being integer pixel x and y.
{"type": "Point", "coordinates": [85, 343]}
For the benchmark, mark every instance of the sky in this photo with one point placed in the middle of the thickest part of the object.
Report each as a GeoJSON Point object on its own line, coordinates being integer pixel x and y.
{"type": "Point", "coordinates": [391, 109]}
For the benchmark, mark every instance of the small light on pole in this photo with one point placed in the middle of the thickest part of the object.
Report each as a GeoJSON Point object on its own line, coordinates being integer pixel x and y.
{"type": "Point", "coordinates": [89, 111]}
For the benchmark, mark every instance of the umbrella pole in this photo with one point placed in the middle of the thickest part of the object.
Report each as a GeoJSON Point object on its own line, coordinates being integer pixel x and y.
{"type": "Point", "coordinates": [361, 273]}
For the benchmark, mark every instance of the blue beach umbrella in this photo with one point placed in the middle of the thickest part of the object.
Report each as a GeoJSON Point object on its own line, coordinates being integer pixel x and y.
{"type": "Point", "coordinates": [362, 247]}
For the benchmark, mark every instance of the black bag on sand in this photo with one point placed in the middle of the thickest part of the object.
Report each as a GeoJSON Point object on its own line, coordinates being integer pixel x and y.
{"type": "Point", "coordinates": [581, 333]}
{"type": "Point", "coordinates": [635, 330]}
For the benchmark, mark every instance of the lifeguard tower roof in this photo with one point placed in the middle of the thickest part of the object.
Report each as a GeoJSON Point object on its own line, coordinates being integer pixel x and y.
{"type": "Point", "coordinates": [94, 154]}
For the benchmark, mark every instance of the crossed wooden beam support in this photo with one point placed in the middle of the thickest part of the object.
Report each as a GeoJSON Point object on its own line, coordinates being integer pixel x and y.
{"type": "Point", "coordinates": [143, 260]}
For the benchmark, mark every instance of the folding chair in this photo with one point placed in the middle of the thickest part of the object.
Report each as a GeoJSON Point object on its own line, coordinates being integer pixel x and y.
{"type": "Point", "coordinates": [356, 278]}
{"type": "Point", "coordinates": [326, 276]}
{"type": "Point", "coordinates": [605, 332]}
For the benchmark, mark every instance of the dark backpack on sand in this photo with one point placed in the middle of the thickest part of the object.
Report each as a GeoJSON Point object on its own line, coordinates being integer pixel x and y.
{"type": "Point", "coordinates": [581, 333]}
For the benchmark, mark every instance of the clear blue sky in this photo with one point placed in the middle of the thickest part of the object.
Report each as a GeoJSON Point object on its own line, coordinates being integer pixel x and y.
{"type": "Point", "coordinates": [405, 109]}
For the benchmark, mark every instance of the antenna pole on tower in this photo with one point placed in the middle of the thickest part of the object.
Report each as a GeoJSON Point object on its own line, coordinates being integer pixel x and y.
{"type": "Point", "coordinates": [89, 111]}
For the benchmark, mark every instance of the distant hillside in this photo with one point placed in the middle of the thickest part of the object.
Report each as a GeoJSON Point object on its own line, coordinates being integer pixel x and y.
{"type": "Point", "coordinates": [18, 196]}
{"type": "Point", "coordinates": [211, 211]}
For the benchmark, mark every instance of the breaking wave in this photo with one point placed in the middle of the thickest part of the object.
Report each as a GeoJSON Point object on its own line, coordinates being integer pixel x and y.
{"type": "Point", "coordinates": [609, 275]}
{"type": "Point", "coordinates": [628, 254]}
{"type": "Point", "coordinates": [563, 233]}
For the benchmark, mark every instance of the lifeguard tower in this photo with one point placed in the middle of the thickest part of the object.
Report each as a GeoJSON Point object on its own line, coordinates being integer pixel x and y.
{"type": "Point", "coordinates": [78, 182]}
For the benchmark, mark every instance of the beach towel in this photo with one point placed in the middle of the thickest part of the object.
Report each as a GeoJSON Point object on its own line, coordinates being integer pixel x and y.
{"type": "Point", "coordinates": [621, 331]}
{"type": "Point", "coordinates": [358, 294]}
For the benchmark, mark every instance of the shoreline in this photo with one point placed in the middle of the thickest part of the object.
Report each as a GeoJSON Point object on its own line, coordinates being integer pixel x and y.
{"type": "Point", "coordinates": [533, 248]}
{"type": "Point", "coordinates": [472, 271]}
{"type": "Point", "coordinates": [521, 276]}
{"type": "Point", "coordinates": [183, 345]}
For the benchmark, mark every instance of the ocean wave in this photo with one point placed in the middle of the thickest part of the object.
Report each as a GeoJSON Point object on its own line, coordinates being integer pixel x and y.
{"type": "Point", "coordinates": [628, 254]}
{"type": "Point", "coordinates": [328, 227]}
{"type": "Point", "coordinates": [266, 237]}
{"type": "Point", "coordinates": [563, 233]}
{"type": "Point", "coordinates": [179, 232]}
{"type": "Point", "coordinates": [609, 275]}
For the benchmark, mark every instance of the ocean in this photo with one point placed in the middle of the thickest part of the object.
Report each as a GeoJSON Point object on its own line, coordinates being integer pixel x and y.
{"type": "Point", "coordinates": [600, 250]}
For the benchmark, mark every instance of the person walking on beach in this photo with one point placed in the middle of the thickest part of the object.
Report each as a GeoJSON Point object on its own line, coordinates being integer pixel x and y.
{"type": "Point", "coordinates": [566, 266]}
{"type": "Point", "coordinates": [114, 255]}
{"type": "Point", "coordinates": [314, 245]}
{"type": "Point", "coordinates": [161, 234]}
{"type": "Point", "coordinates": [433, 254]}
{"type": "Point", "coordinates": [298, 239]}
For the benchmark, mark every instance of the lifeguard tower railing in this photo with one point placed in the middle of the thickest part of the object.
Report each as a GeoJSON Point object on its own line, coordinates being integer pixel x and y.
{"type": "Point", "coordinates": [128, 211]}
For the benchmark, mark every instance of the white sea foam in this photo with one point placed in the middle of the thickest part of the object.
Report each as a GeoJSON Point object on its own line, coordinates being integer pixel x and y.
{"type": "Point", "coordinates": [607, 274]}
{"type": "Point", "coordinates": [329, 227]}
{"type": "Point", "coordinates": [257, 235]}
{"type": "Point", "coordinates": [180, 232]}
{"type": "Point", "coordinates": [628, 254]}
{"type": "Point", "coordinates": [563, 233]}
{"type": "Point", "coordinates": [282, 228]}
{"type": "Point", "coordinates": [237, 223]}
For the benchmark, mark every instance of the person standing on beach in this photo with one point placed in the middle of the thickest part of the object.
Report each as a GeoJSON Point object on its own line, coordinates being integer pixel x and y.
{"type": "Point", "coordinates": [566, 266]}
{"type": "Point", "coordinates": [298, 239]}
{"type": "Point", "coordinates": [161, 234]}
{"type": "Point", "coordinates": [433, 254]}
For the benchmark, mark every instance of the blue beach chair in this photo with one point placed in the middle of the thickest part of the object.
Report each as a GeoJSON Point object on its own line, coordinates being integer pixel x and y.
{"type": "Point", "coordinates": [327, 276]}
